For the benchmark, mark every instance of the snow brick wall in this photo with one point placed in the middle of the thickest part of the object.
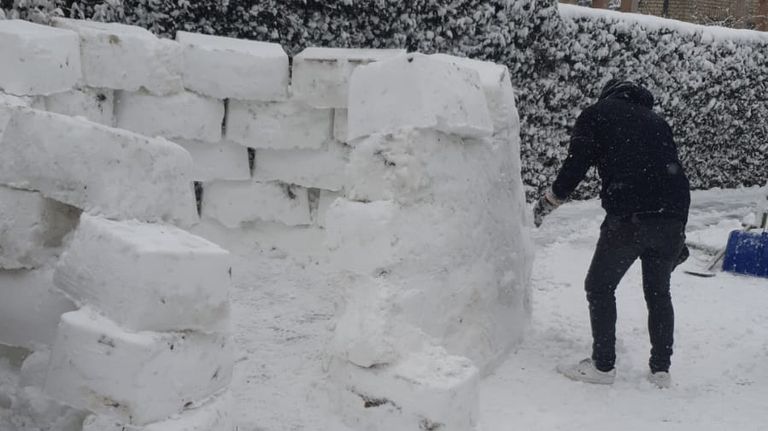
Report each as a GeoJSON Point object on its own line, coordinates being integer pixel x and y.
{"type": "Point", "coordinates": [431, 236]}
{"type": "Point", "coordinates": [405, 167]}
{"type": "Point", "coordinates": [127, 314]}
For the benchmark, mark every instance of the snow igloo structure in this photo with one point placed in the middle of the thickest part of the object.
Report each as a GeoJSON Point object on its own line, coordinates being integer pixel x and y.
{"type": "Point", "coordinates": [130, 167]}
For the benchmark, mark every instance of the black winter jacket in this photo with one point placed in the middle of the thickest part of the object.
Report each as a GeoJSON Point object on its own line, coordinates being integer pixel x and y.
{"type": "Point", "coordinates": [635, 155]}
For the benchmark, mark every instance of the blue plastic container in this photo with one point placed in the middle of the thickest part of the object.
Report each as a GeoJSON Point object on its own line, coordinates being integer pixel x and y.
{"type": "Point", "coordinates": [747, 253]}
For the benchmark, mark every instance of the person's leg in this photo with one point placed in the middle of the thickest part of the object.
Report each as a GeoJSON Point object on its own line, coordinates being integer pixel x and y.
{"type": "Point", "coordinates": [658, 262]}
{"type": "Point", "coordinates": [616, 250]}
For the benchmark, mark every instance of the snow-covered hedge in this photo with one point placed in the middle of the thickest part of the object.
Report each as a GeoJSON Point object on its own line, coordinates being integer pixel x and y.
{"type": "Point", "coordinates": [711, 83]}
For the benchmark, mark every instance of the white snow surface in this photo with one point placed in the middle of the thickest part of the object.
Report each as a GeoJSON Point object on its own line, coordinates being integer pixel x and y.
{"type": "Point", "coordinates": [279, 125]}
{"type": "Point", "coordinates": [283, 314]}
{"type": "Point", "coordinates": [708, 33]}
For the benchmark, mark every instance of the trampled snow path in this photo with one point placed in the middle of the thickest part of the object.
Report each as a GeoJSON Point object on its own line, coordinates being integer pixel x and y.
{"type": "Point", "coordinates": [283, 317]}
{"type": "Point", "coordinates": [720, 366]}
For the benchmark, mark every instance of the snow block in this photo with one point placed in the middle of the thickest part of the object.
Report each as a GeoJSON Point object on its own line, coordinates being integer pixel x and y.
{"type": "Point", "coordinates": [233, 203]}
{"type": "Point", "coordinates": [340, 125]}
{"type": "Point", "coordinates": [37, 59]}
{"type": "Point", "coordinates": [98, 169]}
{"type": "Point", "coordinates": [219, 161]}
{"type": "Point", "coordinates": [417, 91]}
{"type": "Point", "coordinates": [123, 57]}
{"type": "Point", "coordinates": [183, 115]}
{"type": "Point", "coordinates": [96, 105]}
{"type": "Point", "coordinates": [137, 378]}
{"type": "Point", "coordinates": [147, 276]}
{"type": "Point", "coordinates": [281, 126]}
{"type": "Point", "coordinates": [321, 75]}
{"type": "Point", "coordinates": [428, 390]}
{"type": "Point", "coordinates": [31, 228]}
{"type": "Point", "coordinates": [497, 87]}
{"type": "Point", "coordinates": [30, 308]}
{"type": "Point", "coordinates": [227, 68]}
{"type": "Point", "coordinates": [322, 169]}
{"type": "Point", "coordinates": [214, 415]}
{"type": "Point", "coordinates": [11, 101]}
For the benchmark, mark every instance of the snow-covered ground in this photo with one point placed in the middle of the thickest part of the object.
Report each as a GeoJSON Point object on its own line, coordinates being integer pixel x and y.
{"type": "Point", "coordinates": [283, 312]}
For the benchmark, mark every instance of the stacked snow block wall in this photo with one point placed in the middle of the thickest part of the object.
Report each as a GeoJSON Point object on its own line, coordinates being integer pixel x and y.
{"type": "Point", "coordinates": [430, 236]}
{"type": "Point", "coordinates": [126, 312]}
{"type": "Point", "coordinates": [710, 82]}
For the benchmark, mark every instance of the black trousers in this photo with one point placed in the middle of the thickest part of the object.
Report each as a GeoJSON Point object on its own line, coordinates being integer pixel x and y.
{"type": "Point", "coordinates": [658, 243]}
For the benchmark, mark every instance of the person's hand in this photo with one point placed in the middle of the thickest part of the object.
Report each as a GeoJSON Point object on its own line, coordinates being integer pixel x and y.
{"type": "Point", "coordinates": [545, 205]}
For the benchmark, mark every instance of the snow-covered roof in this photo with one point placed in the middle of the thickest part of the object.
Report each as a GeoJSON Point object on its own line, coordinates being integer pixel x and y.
{"type": "Point", "coordinates": [708, 33]}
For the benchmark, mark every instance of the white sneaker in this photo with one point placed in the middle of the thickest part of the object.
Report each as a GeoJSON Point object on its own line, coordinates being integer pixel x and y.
{"type": "Point", "coordinates": [586, 372]}
{"type": "Point", "coordinates": [660, 379]}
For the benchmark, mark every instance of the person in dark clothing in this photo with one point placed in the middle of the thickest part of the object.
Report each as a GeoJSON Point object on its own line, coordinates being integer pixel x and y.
{"type": "Point", "coordinates": [645, 193]}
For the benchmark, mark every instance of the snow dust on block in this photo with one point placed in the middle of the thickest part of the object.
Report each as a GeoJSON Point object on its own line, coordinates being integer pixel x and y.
{"type": "Point", "coordinates": [123, 57]}
{"type": "Point", "coordinates": [96, 105]}
{"type": "Point", "coordinates": [233, 203]}
{"type": "Point", "coordinates": [409, 166]}
{"type": "Point", "coordinates": [137, 377]}
{"type": "Point", "coordinates": [280, 126]}
{"type": "Point", "coordinates": [214, 415]}
{"type": "Point", "coordinates": [321, 75]}
{"type": "Point", "coordinates": [340, 125]}
{"type": "Point", "coordinates": [30, 308]}
{"type": "Point", "coordinates": [427, 390]}
{"type": "Point", "coordinates": [324, 202]}
{"type": "Point", "coordinates": [37, 59]}
{"type": "Point", "coordinates": [497, 86]}
{"type": "Point", "coordinates": [147, 276]}
{"type": "Point", "coordinates": [98, 169]}
{"type": "Point", "coordinates": [217, 161]}
{"type": "Point", "coordinates": [322, 169]}
{"type": "Point", "coordinates": [31, 228]}
{"type": "Point", "coordinates": [417, 91]}
{"type": "Point", "coordinates": [183, 115]}
{"type": "Point", "coordinates": [224, 68]}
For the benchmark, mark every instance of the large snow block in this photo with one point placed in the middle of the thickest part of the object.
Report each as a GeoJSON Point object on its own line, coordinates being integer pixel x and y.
{"type": "Point", "coordinates": [322, 169]}
{"type": "Point", "coordinates": [497, 86]}
{"type": "Point", "coordinates": [31, 228]}
{"type": "Point", "coordinates": [282, 125]}
{"type": "Point", "coordinates": [321, 75]}
{"type": "Point", "coordinates": [147, 276]}
{"type": "Point", "coordinates": [30, 308]}
{"type": "Point", "coordinates": [183, 115]}
{"type": "Point", "coordinates": [217, 161]}
{"type": "Point", "coordinates": [226, 68]}
{"type": "Point", "coordinates": [214, 415]}
{"type": "Point", "coordinates": [138, 378]}
{"type": "Point", "coordinates": [96, 105]}
{"type": "Point", "coordinates": [417, 91]}
{"type": "Point", "coordinates": [233, 203]}
{"type": "Point", "coordinates": [37, 59]}
{"type": "Point", "coordinates": [428, 390]}
{"type": "Point", "coordinates": [98, 169]}
{"type": "Point", "coordinates": [123, 57]}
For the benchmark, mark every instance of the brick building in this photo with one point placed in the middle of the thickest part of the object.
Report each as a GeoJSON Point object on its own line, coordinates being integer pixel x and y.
{"type": "Point", "coordinates": [729, 13]}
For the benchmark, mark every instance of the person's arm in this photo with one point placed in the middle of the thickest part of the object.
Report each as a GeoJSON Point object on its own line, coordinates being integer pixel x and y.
{"type": "Point", "coordinates": [581, 156]}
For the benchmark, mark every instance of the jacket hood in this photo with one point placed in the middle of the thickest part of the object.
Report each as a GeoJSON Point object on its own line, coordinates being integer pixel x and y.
{"type": "Point", "coordinates": [627, 90]}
